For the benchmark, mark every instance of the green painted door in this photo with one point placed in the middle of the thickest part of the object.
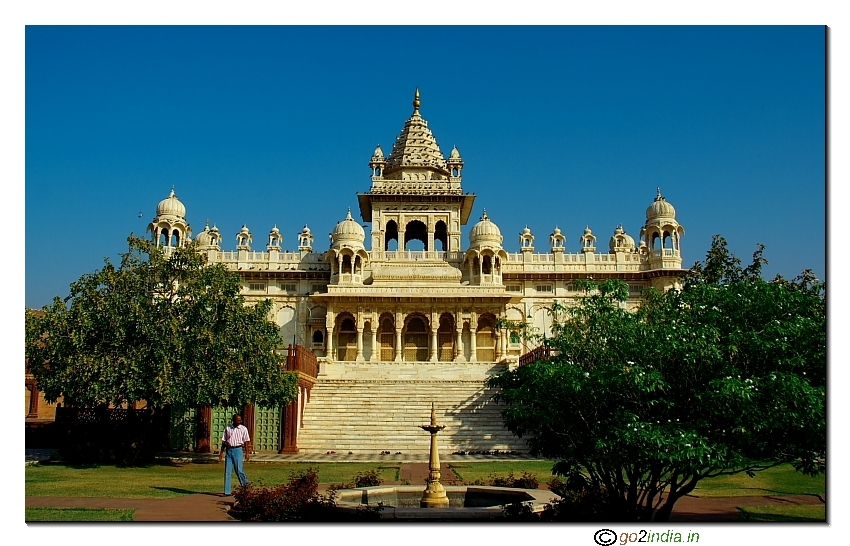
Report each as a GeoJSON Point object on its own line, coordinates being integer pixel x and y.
{"type": "Point", "coordinates": [221, 417]}
{"type": "Point", "coordinates": [267, 429]}
{"type": "Point", "coordinates": [182, 437]}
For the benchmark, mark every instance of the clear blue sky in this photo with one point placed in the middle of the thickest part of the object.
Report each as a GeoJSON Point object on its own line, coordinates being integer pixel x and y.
{"type": "Point", "coordinates": [567, 126]}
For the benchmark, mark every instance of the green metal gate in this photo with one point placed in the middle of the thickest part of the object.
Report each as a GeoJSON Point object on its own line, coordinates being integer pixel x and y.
{"type": "Point", "coordinates": [182, 431]}
{"type": "Point", "coordinates": [221, 418]}
{"type": "Point", "coordinates": [267, 429]}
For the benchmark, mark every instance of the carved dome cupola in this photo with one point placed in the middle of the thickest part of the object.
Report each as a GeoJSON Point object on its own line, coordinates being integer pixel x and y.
{"type": "Point", "coordinates": [588, 241]}
{"type": "Point", "coordinates": [215, 237]}
{"type": "Point", "coordinates": [661, 230]}
{"type": "Point", "coordinates": [526, 240]}
{"type": "Point", "coordinates": [660, 208]}
{"type": "Point", "coordinates": [169, 228]}
{"type": "Point", "coordinates": [275, 239]}
{"type": "Point", "coordinates": [348, 233]}
{"type": "Point", "coordinates": [208, 239]}
{"type": "Point", "coordinates": [454, 163]}
{"type": "Point", "coordinates": [171, 206]}
{"type": "Point", "coordinates": [244, 238]}
{"type": "Point", "coordinates": [558, 240]}
{"type": "Point", "coordinates": [485, 233]}
{"type": "Point", "coordinates": [305, 240]}
{"type": "Point", "coordinates": [621, 241]}
{"type": "Point", "coordinates": [378, 162]}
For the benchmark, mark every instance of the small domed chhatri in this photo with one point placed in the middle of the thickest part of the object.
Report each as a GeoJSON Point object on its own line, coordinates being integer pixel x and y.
{"type": "Point", "coordinates": [169, 227]}
{"type": "Point", "coordinates": [621, 241]}
{"type": "Point", "coordinates": [485, 231]}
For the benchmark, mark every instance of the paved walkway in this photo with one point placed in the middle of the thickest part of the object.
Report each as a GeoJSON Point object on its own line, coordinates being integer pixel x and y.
{"type": "Point", "coordinates": [209, 507]}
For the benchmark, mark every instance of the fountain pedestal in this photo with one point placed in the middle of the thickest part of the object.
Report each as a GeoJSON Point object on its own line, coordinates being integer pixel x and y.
{"type": "Point", "coordinates": [434, 495]}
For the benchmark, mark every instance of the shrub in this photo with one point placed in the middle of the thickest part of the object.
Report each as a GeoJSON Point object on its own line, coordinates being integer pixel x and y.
{"type": "Point", "coordinates": [526, 481]}
{"type": "Point", "coordinates": [298, 500]}
{"type": "Point", "coordinates": [519, 511]}
{"type": "Point", "coordinates": [579, 501]}
{"type": "Point", "coordinates": [368, 478]}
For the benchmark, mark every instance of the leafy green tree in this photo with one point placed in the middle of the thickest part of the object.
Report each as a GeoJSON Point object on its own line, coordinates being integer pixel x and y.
{"type": "Point", "coordinates": [726, 375]}
{"type": "Point", "coordinates": [166, 329]}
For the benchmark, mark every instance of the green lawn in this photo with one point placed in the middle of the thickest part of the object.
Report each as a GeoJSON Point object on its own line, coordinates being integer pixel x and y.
{"type": "Point", "coordinates": [77, 514]}
{"type": "Point", "coordinates": [781, 480]}
{"type": "Point", "coordinates": [167, 481]}
{"type": "Point", "coordinates": [783, 513]}
{"type": "Point", "coordinates": [484, 471]}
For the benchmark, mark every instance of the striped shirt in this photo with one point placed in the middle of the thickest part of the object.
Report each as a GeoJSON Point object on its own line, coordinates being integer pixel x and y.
{"type": "Point", "coordinates": [235, 436]}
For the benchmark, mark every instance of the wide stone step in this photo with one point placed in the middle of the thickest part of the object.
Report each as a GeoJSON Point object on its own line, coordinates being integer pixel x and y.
{"type": "Point", "coordinates": [372, 416]}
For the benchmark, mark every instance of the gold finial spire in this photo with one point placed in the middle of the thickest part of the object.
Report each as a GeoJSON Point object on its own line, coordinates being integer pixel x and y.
{"type": "Point", "coordinates": [416, 102]}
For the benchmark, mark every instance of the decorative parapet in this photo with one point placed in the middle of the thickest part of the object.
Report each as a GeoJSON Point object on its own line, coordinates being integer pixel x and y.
{"type": "Point", "coordinates": [382, 186]}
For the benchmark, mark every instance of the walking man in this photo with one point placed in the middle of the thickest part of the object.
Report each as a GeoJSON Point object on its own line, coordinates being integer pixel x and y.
{"type": "Point", "coordinates": [237, 443]}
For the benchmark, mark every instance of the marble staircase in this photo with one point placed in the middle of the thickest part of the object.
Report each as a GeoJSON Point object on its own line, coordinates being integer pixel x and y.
{"type": "Point", "coordinates": [380, 407]}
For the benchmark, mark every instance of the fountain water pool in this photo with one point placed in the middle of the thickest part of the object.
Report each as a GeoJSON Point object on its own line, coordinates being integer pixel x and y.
{"type": "Point", "coordinates": [465, 502]}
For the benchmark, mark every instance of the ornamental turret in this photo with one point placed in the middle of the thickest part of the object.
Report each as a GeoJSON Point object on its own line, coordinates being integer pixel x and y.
{"type": "Point", "coordinates": [244, 238]}
{"type": "Point", "coordinates": [347, 254]}
{"type": "Point", "coordinates": [483, 260]}
{"type": "Point", "coordinates": [169, 227]}
{"type": "Point", "coordinates": [588, 241]}
{"type": "Point", "coordinates": [662, 233]}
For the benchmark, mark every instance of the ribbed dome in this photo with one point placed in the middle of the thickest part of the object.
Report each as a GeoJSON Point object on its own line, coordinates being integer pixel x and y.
{"type": "Point", "coordinates": [171, 206]}
{"type": "Point", "coordinates": [660, 208]}
{"type": "Point", "coordinates": [526, 231]}
{"type": "Point", "coordinates": [557, 231]}
{"type": "Point", "coordinates": [306, 231]}
{"type": "Point", "coordinates": [348, 231]}
{"type": "Point", "coordinates": [485, 231]}
{"type": "Point", "coordinates": [203, 238]}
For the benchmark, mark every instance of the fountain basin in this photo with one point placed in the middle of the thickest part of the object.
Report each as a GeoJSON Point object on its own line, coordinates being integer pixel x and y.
{"type": "Point", "coordinates": [401, 502]}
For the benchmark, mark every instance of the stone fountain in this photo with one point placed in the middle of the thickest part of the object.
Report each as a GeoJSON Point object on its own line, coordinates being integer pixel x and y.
{"type": "Point", "coordinates": [456, 502]}
{"type": "Point", "coordinates": [434, 495]}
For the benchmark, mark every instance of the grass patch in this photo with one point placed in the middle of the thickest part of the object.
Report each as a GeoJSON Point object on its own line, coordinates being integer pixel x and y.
{"type": "Point", "coordinates": [164, 481]}
{"type": "Point", "coordinates": [77, 514]}
{"type": "Point", "coordinates": [484, 471]}
{"type": "Point", "coordinates": [780, 480]}
{"type": "Point", "coordinates": [815, 512]}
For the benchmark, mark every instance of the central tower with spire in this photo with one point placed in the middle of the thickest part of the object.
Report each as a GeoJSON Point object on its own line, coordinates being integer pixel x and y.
{"type": "Point", "coordinates": [416, 193]}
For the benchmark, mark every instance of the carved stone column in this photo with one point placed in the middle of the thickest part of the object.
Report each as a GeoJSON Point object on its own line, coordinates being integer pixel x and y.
{"type": "Point", "coordinates": [398, 348]}
{"type": "Point", "coordinates": [459, 345]}
{"type": "Point", "coordinates": [375, 349]}
{"type": "Point", "coordinates": [330, 356]}
{"type": "Point", "coordinates": [498, 346]}
{"type": "Point", "coordinates": [435, 349]}
{"type": "Point", "coordinates": [359, 357]}
{"type": "Point", "coordinates": [473, 342]}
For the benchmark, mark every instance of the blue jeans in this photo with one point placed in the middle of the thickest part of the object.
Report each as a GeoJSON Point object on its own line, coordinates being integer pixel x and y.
{"type": "Point", "coordinates": [233, 461]}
